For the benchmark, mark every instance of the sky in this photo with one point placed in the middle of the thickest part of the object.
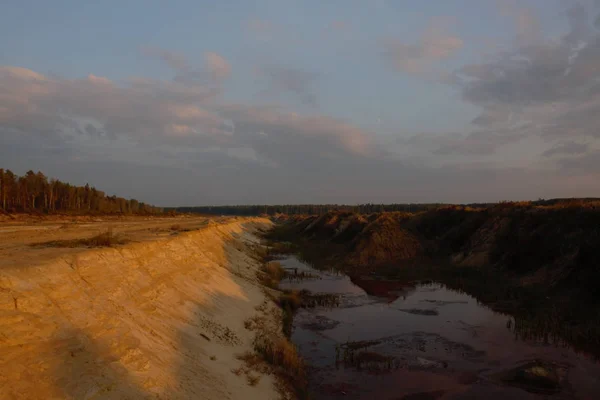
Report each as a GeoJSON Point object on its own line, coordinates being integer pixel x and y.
{"type": "Point", "coordinates": [286, 101]}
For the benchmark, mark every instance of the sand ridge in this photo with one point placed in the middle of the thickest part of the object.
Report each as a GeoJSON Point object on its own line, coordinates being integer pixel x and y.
{"type": "Point", "coordinates": [162, 317]}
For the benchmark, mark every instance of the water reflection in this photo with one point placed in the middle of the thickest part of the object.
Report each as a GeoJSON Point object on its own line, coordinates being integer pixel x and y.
{"type": "Point", "coordinates": [432, 336]}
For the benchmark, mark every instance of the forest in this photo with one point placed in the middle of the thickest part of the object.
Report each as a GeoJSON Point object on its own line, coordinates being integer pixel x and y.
{"type": "Point", "coordinates": [34, 192]}
{"type": "Point", "coordinates": [368, 208]}
{"type": "Point", "coordinates": [302, 209]}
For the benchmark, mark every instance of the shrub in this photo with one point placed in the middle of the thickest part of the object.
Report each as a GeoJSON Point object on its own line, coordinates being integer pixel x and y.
{"type": "Point", "coordinates": [253, 379]}
{"type": "Point", "coordinates": [281, 353]}
{"type": "Point", "coordinates": [272, 273]}
{"type": "Point", "coordinates": [289, 302]}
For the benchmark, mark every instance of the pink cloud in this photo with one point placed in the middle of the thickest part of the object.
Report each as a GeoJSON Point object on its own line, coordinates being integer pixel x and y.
{"type": "Point", "coordinates": [434, 45]}
{"type": "Point", "coordinates": [218, 66]}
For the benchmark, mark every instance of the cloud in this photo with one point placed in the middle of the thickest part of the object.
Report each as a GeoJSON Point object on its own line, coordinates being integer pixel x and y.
{"type": "Point", "coordinates": [218, 66]}
{"type": "Point", "coordinates": [526, 22]}
{"type": "Point", "coordinates": [588, 163]}
{"type": "Point", "coordinates": [134, 120]}
{"type": "Point", "coordinates": [435, 45]}
{"type": "Point", "coordinates": [542, 88]}
{"type": "Point", "coordinates": [261, 29]}
{"type": "Point", "coordinates": [288, 138]}
{"type": "Point", "coordinates": [478, 143]}
{"type": "Point", "coordinates": [567, 148]}
{"type": "Point", "coordinates": [282, 80]}
{"type": "Point", "coordinates": [128, 138]}
{"type": "Point", "coordinates": [260, 26]}
{"type": "Point", "coordinates": [542, 93]}
{"type": "Point", "coordinates": [38, 105]}
{"type": "Point", "coordinates": [339, 26]}
{"type": "Point", "coordinates": [173, 59]}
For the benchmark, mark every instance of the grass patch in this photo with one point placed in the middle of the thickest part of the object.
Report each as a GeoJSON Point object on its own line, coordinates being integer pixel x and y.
{"type": "Point", "coordinates": [328, 300]}
{"type": "Point", "coordinates": [289, 301]}
{"type": "Point", "coordinates": [260, 253]}
{"type": "Point", "coordinates": [280, 248]}
{"type": "Point", "coordinates": [104, 239]}
{"type": "Point", "coordinates": [253, 379]}
{"type": "Point", "coordinates": [270, 349]}
{"type": "Point", "coordinates": [283, 356]}
{"type": "Point", "coordinates": [179, 228]}
{"type": "Point", "coordinates": [356, 355]}
{"type": "Point", "coordinates": [271, 274]}
{"type": "Point", "coordinates": [255, 323]}
{"type": "Point", "coordinates": [296, 276]}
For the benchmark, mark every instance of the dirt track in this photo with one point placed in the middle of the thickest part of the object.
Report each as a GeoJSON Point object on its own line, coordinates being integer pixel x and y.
{"type": "Point", "coordinates": [159, 317]}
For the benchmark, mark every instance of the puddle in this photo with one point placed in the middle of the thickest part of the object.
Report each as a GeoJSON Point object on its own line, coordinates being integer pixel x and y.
{"type": "Point", "coordinates": [385, 340]}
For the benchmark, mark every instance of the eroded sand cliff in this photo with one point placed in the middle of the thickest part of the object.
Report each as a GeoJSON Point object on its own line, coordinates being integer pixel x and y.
{"type": "Point", "coordinates": [158, 318]}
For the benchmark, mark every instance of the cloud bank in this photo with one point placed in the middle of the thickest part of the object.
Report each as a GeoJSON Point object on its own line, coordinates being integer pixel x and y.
{"type": "Point", "coordinates": [185, 140]}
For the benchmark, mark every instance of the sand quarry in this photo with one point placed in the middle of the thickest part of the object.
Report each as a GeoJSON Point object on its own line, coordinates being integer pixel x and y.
{"type": "Point", "coordinates": [159, 317]}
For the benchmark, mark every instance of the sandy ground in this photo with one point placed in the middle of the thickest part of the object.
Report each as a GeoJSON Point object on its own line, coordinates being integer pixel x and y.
{"type": "Point", "coordinates": [159, 317]}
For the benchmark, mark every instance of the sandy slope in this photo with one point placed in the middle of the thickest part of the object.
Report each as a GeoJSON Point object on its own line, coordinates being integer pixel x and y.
{"type": "Point", "coordinates": [162, 317]}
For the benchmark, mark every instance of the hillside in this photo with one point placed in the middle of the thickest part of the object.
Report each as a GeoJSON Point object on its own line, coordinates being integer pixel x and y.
{"type": "Point", "coordinates": [561, 241]}
{"type": "Point", "coordinates": [163, 315]}
{"type": "Point", "coordinates": [540, 262]}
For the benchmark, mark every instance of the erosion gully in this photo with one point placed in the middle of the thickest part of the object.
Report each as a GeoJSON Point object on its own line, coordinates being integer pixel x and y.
{"type": "Point", "coordinates": [424, 341]}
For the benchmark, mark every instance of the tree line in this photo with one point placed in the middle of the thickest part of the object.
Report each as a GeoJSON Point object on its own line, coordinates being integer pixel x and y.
{"type": "Point", "coordinates": [34, 192]}
{"type": "Point", "coordinates": [303, 209]}
{"type": "Point", "coordinates": [368, 208]}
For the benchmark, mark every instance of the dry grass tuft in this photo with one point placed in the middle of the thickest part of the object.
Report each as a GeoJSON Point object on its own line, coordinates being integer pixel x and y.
{"type": "Point", "coordinates": [272, 273]}
{"type": "Point", "coordinates": [255, 323]}
{"type": "Point", "coordinates": [290, 300]}
{"type": "Point", "coordinates": [179, 228]}
{"type": "Point", "coordinates": [274, 269]}
{"type": "Point", "coordinates": [260, 252]}
{"type": "Point", "coordinates": [280, 353]}
{"type": "Point", "coordinates": [104, 239]}
{"type": "Point", "coordinates": [253, 379]}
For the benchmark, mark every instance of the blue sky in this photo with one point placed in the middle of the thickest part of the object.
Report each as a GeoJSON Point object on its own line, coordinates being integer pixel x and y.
{"type": "Point", "coordinates": [304, 91]}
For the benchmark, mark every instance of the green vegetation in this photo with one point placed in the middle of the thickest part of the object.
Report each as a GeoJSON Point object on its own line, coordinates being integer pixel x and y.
{"type": "Point", "coordinates": [34, 193]}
